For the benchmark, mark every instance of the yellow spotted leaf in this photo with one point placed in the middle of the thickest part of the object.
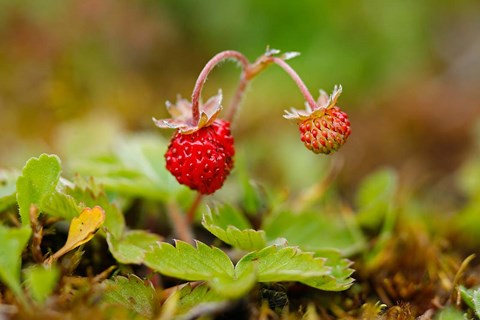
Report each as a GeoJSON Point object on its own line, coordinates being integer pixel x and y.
{"type": "Point", "coordinates": [82, 229]}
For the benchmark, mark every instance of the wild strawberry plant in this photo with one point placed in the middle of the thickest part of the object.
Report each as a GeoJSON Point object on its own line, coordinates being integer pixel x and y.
{"type": "Point", "coordinates": [117, 233]}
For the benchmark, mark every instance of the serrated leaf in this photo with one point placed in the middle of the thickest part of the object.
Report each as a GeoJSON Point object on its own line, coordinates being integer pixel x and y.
{"type": "Point", "coordinates": [239, 285]}
{"type": "Point", "coordinates": [375, 196]}
{"type": "Point", "coordinates": [133, 293]}
{"type": "Point", "coordinates": [270, 264]}
{"type": "Point", "coordinates": [60, 205]}
{"type": "Point", "coordinates": [189, 263]}
{"type": "Point", "coordinates": [472, 298]}
{"type": "Point", "coordinates": [191, 300]}
{"type": "Point", "coordinates": [246, 239]}
{"type": "Point", "coordinates": [82, 229]}
{"type": "Point", "coordinates": [274, 263]}
{"type": "Point", "coordinates": [8, 189]}
{"type": "Point", "coordinates": [39, 178]}
{"type": "Point", "coordinates": [315, 232]}
{"type": "Point", "coordinates": [13, 242]}
{"type": "Point", "coordinates": [226, 215]}
{"type": "Point", "coordinates": [41, 281]}
{"type": "Point", "coordinates": [131, 247]}
{"type": "Point", "coordinates": [339, 277]}
{"type": "Point", "coordinates": [90, 194]}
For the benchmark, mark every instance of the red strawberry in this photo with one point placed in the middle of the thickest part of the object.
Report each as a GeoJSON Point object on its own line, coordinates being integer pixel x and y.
{"type": "Point", "coordinates": [200, 154]}
{"type": "Point", "coordinates": [203, 159]}
{"type": "Point", "coordinates": [325, 128]}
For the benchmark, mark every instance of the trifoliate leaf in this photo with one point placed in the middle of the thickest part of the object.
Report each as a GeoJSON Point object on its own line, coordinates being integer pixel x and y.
{"type": "Point", "coordinates": [243, 282]}
{"type": "Point", "coordinates": [189, 263]}
{"type": "Point", "coordinates": [82, 229]}
{"type": "Point", "coordinates": [39, 178]}
{"type": "Point", "coordinates": [246, 239]}
{"type": "Point", "coordinates": [375, 197]}
{"type": "Point", "coordinates": [41, 281]}
{"type": "Point", "coordinates": [274, 263]}
{"type": "Point", "coordinates": [90, 194]}
{"type": "Point", "coordinates": [131, 247]}
{"type": "Point", "coordinates": [192, 302]}
{"type": "Point", "coordinates": [13, 241]}
{"type": "Point", "coordinates": [8, 180]}
{"type": "Point", "coordinates": [137, 295]}
{"type": "Point", "coordinates": [315, 232]}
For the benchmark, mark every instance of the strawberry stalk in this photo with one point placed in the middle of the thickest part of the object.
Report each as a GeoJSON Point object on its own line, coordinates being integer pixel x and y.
{"type": "Point", "coordinates": [294, 75]}
{"type": "Point", "coordinates": [202, 78]}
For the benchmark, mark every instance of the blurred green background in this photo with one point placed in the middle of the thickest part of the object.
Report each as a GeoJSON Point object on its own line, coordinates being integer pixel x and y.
{"type": "Point", "coordinates": [410, 71]}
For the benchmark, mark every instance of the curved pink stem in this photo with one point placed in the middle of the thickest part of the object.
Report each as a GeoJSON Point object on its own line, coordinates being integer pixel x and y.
{"type": "Point", "coordinates": [202, 78]}
{"type": "Point", "coordinates": [303, 88]}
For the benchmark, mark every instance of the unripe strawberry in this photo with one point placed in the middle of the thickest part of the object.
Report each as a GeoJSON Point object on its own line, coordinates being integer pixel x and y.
{"type": "Point", "coordinates": [200, 155]}
{"type": "Point", "coordinates": [325, 128]}
{"type": "Point", "coordinates": [203, 159]}
{"type": "Point", "coordinates": [326, 133]}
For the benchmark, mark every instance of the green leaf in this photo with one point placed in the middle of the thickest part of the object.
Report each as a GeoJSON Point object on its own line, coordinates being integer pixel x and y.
{"type": "Point", "coordinates": [316, 231]}
{"type": "Point", "coordinates": [131, 247]}
{"type": "Point", "coordinates": [277, 263]}
{"type": "Point", "coordinates": [89, 194]}
{"type": "Point", "coordinates": [137, 295]}
{"type": "Point", "coordinates": [41, 281]}
{"type": "Point", "coordinates": [274, 263]}
{"type": "Point", "coordinates": [13, 242]}
{"type": "Point", "coordinates": [467, 178]}
{"type": "Point", "coordinates": [450, 313]}
{"type": "Point", "coordinates": [192, 300]}
{"type": "Point", "coordinates": [61, 205]}
{"type": "Point", "coordinates": [339, 277]}
{"type": "Point", "coordinates": [270, 264]}
{"type": "Point", "coordinates": [252, 200]}
{"type": "Point", "coordinates": [190, 263]}
{"type": "Point", "coordinates": [218, 224]}
{"type": "Point", "coordinates": [471, 298]}
{"type": "Point", "coordinates": [375, 197]}
{"type": "Point", "coordinates": [136, 168]}
{"type": "Point", "coordinates": [39, 178]}
{"type": "Point", "coordinates": [201, 263]}
{"type": "Point", "coordinates": [226, 215]}
{"type": "Point", "coordinates": [239, 285]}
{"type": "Point", "coordinates": [8, 180]}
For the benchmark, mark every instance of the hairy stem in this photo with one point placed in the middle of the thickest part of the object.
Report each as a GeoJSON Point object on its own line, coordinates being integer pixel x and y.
{"type": "Point", "coordinates": [202, 78]}
{"type": "Point", "coordinates": [193, 208]}
{"type": "Point", "coordinates": [294, 75]}
{"type": "Point", "coordinates": [182, 229]}
{"type": "Point", "coordinates": [237, 98]}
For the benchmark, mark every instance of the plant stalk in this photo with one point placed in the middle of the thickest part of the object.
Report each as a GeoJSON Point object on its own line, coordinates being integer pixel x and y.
{"type": "Point", "coordinates": [202, 78]}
